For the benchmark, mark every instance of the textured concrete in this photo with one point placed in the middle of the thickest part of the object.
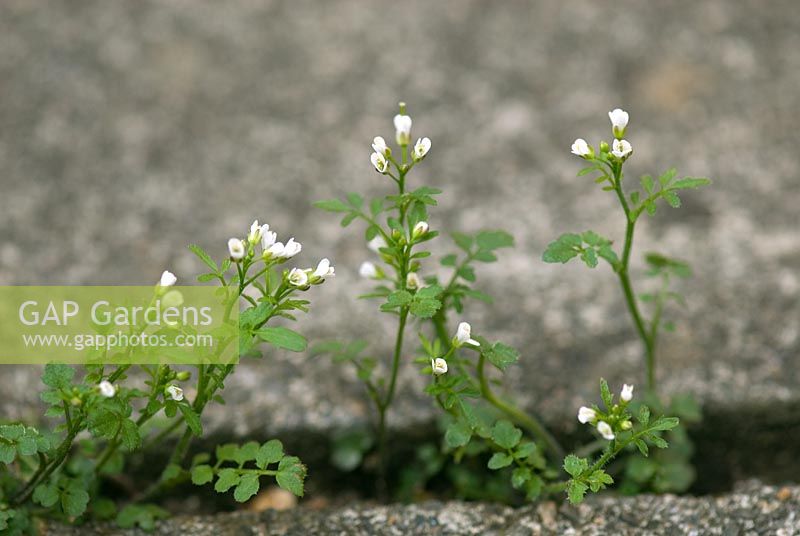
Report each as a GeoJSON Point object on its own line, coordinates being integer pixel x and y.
{"type": "Point", "coordinates": [752, 510]}
{"type": "Point", "coordinates": [130, 129]}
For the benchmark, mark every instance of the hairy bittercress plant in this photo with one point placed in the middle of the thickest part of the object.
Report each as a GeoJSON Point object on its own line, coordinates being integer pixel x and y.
{"type": "Point", "coordinates": [458, 361]}
{"type": "Point", "coordinates": [59, 473]}
{"type": "Point", "coordinates": [670, 471]}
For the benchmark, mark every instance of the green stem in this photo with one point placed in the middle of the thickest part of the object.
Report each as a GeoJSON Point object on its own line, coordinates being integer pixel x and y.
{"type": "Point", "coordinates": [520, 417]}
{"type": "Point", "coordinates": [627, 287]}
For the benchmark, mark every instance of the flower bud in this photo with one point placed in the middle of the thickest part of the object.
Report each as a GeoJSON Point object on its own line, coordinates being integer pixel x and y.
{"type": "Point", "coordinates": [167, 279]}
{"type": "Point", "coordinates": [420, 229]}
{"type": "Point", "coordinates": [174, 392]}
{"type": "Point", "coordinates": [605, 430]}
{"type": "Point", "coordinates": [376, 243]}
{"type": "Point", "coordinates": [586, 415]}
{"type": "Point", "coordinates": [76, 401]}
{"type": "Point", "coordinates": [402, 126]}
{"type": "Point", "coordinates": [236, 249]}
{"type": "Point", "coordinates": [107, 389]}
{"type": "Point", "coordinates": [582, 149]}
{"type": "Point", "coordinates": [439, 366]}
{"type": "Point", "coordinates": [604, 148]}
{"type": "Point", "coordinates": [464, 336]}
{"type": "Point", "coordinates": [619, 120]}
{"type": "Point", "coordinates": [421, 148]}
{"type": "Point", "coordinates": [183, 375]}
{"type": "Point", "coordinates": [267, 239]}
{"type": "Point", "coordinates": [412, 281]}
{"type": "Point", "coordinates": [627, 392]}
{"type": "Point", "coordinates": [626, 425]}
{"type": "Point", "coordinates": [256, 231]}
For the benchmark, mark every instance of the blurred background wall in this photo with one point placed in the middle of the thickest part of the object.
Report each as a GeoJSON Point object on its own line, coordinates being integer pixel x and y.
{"type": "Point", "coordinates": [131, 129]}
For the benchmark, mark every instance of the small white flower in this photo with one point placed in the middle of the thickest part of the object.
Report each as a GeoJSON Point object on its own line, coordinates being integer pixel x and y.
{"type": "Point", "coordinates": [291, 249]}
{"type": "Point", "coordinates": [464, 335]}
{"type": "Point", "coordinates": [619, 120]}
{"type": "Point", "coordinates": [324, 269]}
{"type": "Point", "coordinates": [439, 366]}
{"type": "Point", "coordinates": [420, 229]}
{"type": "Point", "coordinates": [605, 430]}
{"type": "Point", "coordinates": [380, 147]}
{"type": "Point", "coordinates": [267, 239]}
{"type": "Point", "coordinates": [167, 279]}
{"type": "Point", "coordinates": [380, 162]}
{"type": "Point", "coordinates": [237, 249]}
{"type": "Point", "coordinates": [412, 280]}
{"type": "Point", "coordinates": [621, 148]}
{"type": "Point", "coordinates": [175, 393]}
{"type": "Point", "coordinates": [586, 415]}
{"type": "Point", "coordinates": [298, 277]}
{"type": "Point", "coordinates": [421, 148]}
{"type": "Point", "coordinates": [275, 250]}
{"type": "Point", "coordinates": [107, 389]}
{"type": "Point", "coordinates": [581, 148]}
{"type": "Point", "coordinates": [627, 392]}
{"type": "Point", "coordinates": [256, 232]}
{"type": "Point", "coordinates": [376, 243]}
{"type": "Point", "coordinates": [367, 270]}
{"type": "Point", "coordinates": [402, 126]}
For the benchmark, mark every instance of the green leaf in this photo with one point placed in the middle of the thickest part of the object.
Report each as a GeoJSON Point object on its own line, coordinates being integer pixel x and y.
{"type": "Point", "coordinates": [458, 434]}
{"type": "Point", "coordinates": [253, 316]}
{"type": "Point", "coordinates": [332, 205]}
{"type": "Point", "coordinates": [501, 355]}
{"type": "Point", "coordinates": [463, 241]}
{"type": "Point", "coordinates": [74, 499]}
{"type": "Point", "coordinates": [665, 423]}
{"type": "Point", "coordinates": [525, 449]}
{"type": "Point", "coordinates": [291, 474]}
{"type": "Point", "coordinates": [575, 466]}
{"type": "Point", "coordinates": [226, 479]}
{"type": "Point", "coordinates": [425, 307]}
{"type": "Point", "coordinates": [689, 182]}
{"type": "Point", "coordinates": [672, 198]}
{"type": "Point", "coordinates": [46, 494]}
{"type": "Point", "coordinates": [576, 491]}
{"type": "Point", "coordinates": [247, 452]}
{"type": "Point", "coordinates": [644, 415]}
{"type": "Point", "coordinates": [7, 453]}
{"type": "Point", "coordinates": [642, 446]}
{"type": "Point", "coordinates": [227, 452]}
{"type": "Point", "coordinates": [500, 460]}
{"type": "Point", "coordinates": [203, 256]}
{"type": "Point", "coordinates": [491, 240]}
{"type": "Point", "coordinates": [129, 435]}
{"type": "Point", "coordinates": [248, 486]}
{"type": "Point", "coordinates": [282, 337]}
{"type": "Point", "coordinates": [647, 183]}
{"type": "Point", "coordinates": [192, 419]}
{"type": "Point", "coordinates": [202, 474]}
{"type": "Point", "coordinates": [398, 298]}
{"type": "Point", "coordinates": [564, 248]}
{"type": "Point", "coordinates": [605, 394]}
{"type": "Point", "coordinates": [598, 480]}
{"type": "Point", "coordinates": [355, 200]}
{"type": "Point", "coordinates": [506, 434]}
{"type": "Point", "coordinates": [270, 452]}
{"type": "Point", "coordinates": [58, 376]}
{"type": "Point", "coordinates": [589, 256]}
{"type": "Point", "coordinates": [520, 476]}
{"type": "Point", "coordinates": [449, 260]}
{"type": "Point", "coordinates": [143, 515]}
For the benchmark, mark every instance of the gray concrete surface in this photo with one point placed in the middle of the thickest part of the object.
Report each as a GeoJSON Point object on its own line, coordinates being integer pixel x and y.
{"type": "Point", "coordinates": [128, 130]}
{"type": "Point", "coordinates": [751, 510]}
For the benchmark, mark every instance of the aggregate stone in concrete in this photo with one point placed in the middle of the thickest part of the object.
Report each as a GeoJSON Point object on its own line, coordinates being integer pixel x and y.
{"type": "Point", "coordinates": [130, 129]}
{"type": "Point", "coordinates": [753, 509]}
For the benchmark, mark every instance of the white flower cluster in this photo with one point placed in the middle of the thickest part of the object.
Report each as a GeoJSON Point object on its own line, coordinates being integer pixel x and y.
{"type": "Point", "coordinates": [592, 416]}
{"type": "Point", "coordinates": [271, 249]}
{"type": "Point", "coordinates": [620, 148]}
{"type": "Point", "coordinates": [381, 158]}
